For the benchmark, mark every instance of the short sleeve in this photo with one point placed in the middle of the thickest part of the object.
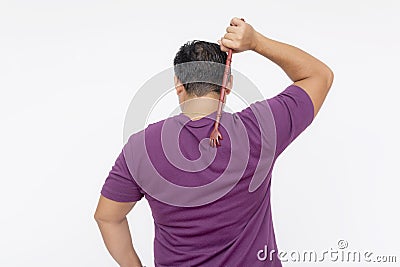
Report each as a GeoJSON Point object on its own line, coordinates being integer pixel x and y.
{"type": "Point", "coordinates": [293, 112]}
{"type": "Point", "coordinates": [120, 185]}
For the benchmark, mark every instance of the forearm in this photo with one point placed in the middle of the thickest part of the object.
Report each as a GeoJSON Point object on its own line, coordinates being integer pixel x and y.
{"type": "Point", "coordinates": [306, 71]}
{"type": "Point", "coordinates": [117, 238]}
{"type": "Point", "coordinates": [296, 63]}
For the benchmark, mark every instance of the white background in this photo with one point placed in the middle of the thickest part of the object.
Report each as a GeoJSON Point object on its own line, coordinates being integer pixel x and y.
{"type": "Point", "coordinates": [69, 69]}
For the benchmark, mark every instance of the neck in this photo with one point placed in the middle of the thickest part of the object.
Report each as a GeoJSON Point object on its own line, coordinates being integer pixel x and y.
{"type": "Point", "coordinates": [198, 107]}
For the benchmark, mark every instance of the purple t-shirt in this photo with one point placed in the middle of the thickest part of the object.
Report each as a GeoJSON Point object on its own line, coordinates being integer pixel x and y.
{"type": "Point", "coordinates": [229, 229]}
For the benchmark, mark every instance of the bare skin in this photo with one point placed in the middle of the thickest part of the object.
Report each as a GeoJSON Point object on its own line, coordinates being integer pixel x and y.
{"type": "Point", "coordinates": [113, 224]}
{"type": "Point", "coordinates": [303, 69]}
{"type": "Point", "coordinates": [197, 107]}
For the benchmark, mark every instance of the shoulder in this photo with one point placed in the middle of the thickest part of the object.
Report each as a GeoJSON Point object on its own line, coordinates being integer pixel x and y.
{"type": "Point", "coordinates": [150, 130]}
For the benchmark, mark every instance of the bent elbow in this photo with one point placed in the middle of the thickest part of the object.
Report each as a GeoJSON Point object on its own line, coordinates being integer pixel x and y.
{"type": "Point", "coordinates": [326, 77]}
{"type": "Point", "coordinates": [330, 77]}
{"type": "Point", "coordinates": [96, 217]}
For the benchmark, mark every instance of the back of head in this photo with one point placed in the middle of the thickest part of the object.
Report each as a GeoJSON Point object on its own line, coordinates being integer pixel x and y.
{"type": "Point", "coordinates": [199, 65]}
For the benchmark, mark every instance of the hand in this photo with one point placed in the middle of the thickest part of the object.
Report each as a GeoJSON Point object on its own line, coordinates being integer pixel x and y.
{"type": "Point", "coordinates": [240, 36]}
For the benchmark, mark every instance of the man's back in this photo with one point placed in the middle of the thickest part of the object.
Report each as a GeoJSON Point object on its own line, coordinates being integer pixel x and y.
{"type": "Point", "coordinates": [229, 230]}
{"type": "Point", "coordinates": [211, 206]}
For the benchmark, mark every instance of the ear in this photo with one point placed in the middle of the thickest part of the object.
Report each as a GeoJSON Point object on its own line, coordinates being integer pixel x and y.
{"type": "Point", "coordinates": [178, 85]}
{"type": "Point", "coordinates": [229, 85]}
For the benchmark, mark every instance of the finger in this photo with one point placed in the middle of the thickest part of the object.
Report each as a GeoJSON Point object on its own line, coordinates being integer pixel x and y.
{"type": "Point", "coordinates": [222, 47]}
{"type": "Point", "coordinates": [230, 36]}
{"type": "Point", "coordinates": [233, 20]}
{"type": "Point", "coordinates": [232, 29]}
{"type": "Point", "coordinates": [237, 22]}
{"type": "Point", "coordinates": [227, 43]}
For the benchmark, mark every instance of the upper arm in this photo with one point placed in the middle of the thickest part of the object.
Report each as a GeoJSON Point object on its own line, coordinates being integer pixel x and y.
{"type": "Point", "coordinates": [293, 112]}
{"type": "Point", "coordinates": [317, 87]}
{"type": "Point", "coordinates": [112, 211]}
{"type": "Point", "coordinates": [119, 193]}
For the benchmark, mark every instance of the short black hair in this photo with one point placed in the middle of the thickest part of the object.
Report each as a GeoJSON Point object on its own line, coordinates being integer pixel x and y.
{"type": "Point", "coordinates": [205, 72]}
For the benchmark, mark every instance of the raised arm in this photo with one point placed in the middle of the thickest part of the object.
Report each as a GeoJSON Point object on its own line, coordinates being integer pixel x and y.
{"type": "Point", "coordinates": [304, 70]}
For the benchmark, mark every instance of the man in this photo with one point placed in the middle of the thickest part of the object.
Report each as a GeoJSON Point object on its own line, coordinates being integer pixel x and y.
{"type": "Point", "coordinates": [230, 230]}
